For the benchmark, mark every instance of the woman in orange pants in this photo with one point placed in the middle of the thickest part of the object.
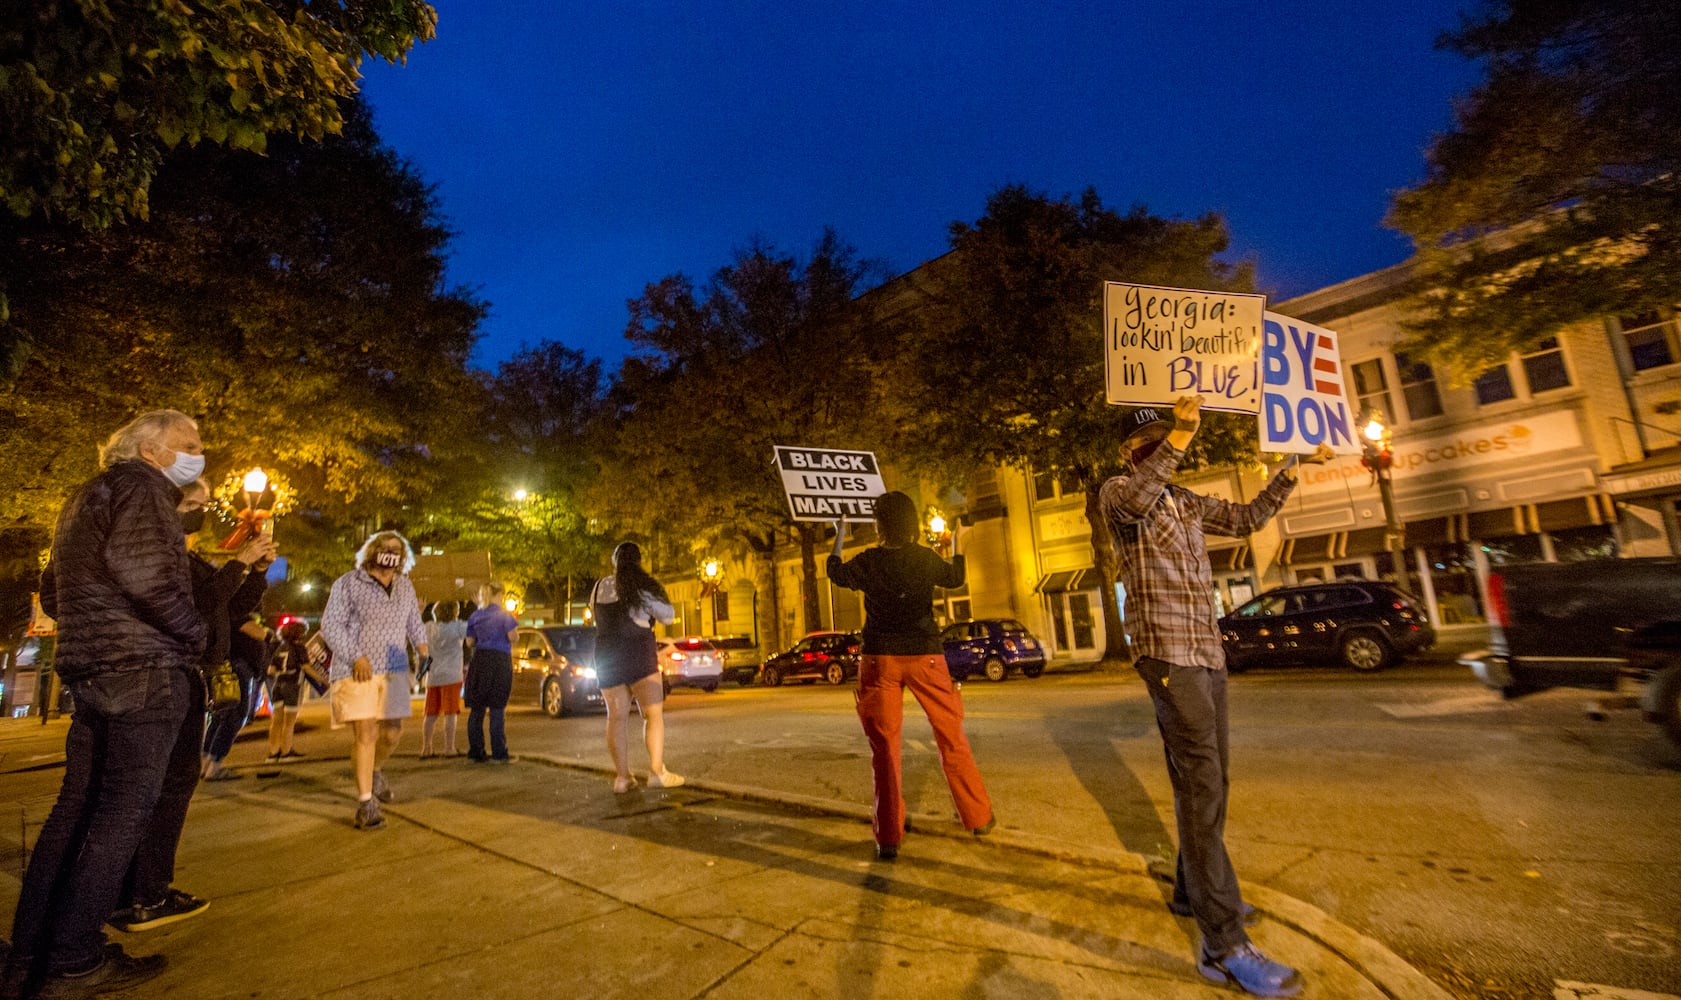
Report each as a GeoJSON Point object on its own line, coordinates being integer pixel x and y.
{"type": "Point", "coordinates": [902, 650]}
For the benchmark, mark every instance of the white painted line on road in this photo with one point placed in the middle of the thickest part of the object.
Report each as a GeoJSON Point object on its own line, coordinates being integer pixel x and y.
{"type": "Point", "coordinates": [1593, 991]}
{"type": "Point", "coordinates": [1463, 705]}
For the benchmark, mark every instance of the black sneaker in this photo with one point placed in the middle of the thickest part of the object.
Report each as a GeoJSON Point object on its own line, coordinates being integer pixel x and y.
{"type": "Point", "coordinates": [887, 852]}
{"type": "Point", "coordinates": [368, 817]}
{"type": "Point", "coordinates": [117, 970]}
{"type": "Point", "coordinates": [382, 789]}
{"type": "Point", "coordinates": [176, 906]}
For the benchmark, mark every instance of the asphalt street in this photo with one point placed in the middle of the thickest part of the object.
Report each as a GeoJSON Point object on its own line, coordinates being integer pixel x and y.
{"type": "Point", "coordinates": [1504, 848]}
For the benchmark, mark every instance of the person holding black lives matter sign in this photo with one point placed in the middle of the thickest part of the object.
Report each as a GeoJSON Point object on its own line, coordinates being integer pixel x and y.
{"type": "Point", "coordinates": [1157, 530]}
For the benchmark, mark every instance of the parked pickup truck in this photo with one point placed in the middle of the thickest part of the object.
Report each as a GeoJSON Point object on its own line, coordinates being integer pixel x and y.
{"type": "Point", "coordinates": [1588, 625]}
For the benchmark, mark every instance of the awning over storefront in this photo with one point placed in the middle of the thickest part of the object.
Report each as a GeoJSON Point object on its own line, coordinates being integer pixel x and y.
{"type": "Point", "coordinates": [1230, 559]}
{"type": "Point", "coordinates": [1659, 472]}
{"type": "Point", "coordinates": [1056, 583]}
{"type": "Point", "coordinates": [1577, 512]}
{"type": "Point", "coordinates": [1069, 580]}
{"type": "Point", "coordinates": [1311, 549]}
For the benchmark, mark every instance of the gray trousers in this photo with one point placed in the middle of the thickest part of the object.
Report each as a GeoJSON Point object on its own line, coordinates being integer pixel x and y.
{"type": "Point", "coordinates": [1191, 714]}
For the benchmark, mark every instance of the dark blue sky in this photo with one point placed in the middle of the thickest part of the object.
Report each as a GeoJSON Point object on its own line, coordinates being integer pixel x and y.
{"type": "Point", "coordinates": [582, 151]}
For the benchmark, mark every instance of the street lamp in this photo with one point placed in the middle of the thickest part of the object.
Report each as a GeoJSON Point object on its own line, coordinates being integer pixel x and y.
{"type": "Point", "coordinates": [1377, 458]}
{"type": "Point", "coordinates": [710, 571]}
{"type": "Point", "coordinates": [520, 495]}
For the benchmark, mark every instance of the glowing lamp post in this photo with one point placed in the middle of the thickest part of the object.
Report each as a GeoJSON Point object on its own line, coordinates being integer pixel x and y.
{"type": "Point", "coordinates": [710, 572]}
{"type": "Point", "coordinates": [1377, 458]}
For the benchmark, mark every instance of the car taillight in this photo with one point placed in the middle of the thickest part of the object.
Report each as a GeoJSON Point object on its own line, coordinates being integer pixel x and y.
{"type": "Point", "coordinates": [675, 655]}
{"type": "Point", "coordinates": [1497, 600]}
{"type": "Point", "coordinates": [1009, 645]}
{"type": "Point", "coordinates": [808, 657]}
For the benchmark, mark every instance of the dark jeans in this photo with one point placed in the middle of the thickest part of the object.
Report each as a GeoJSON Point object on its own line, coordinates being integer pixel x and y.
{"type": "Point", "coordinates": [154, 862]}
{"type": "Point", "coordinates": [1191, 714]}
{"type": "Point", "coordinates": [475, 732]}
{"type": "Point", "coordinates": [226, 723]}
{"type": "Point", "coordinates": [490, 681]}
{"type": "Point", "coordinates": [115, 757]}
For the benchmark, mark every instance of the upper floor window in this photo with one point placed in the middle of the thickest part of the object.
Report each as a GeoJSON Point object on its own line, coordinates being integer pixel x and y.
{"type": "Point", "coordinates": [1372, 387]}
{"type": "Point", "coordinates": [1544, 367]}
{"type": "Point", "coordinates": [1651, 340]}
{"type": "Point", "coordinates": [1056, 483]}
{"type": "Point", "coordinates": [1418, 388]}
{"type": "Point", "coordinates": [1494, 385]}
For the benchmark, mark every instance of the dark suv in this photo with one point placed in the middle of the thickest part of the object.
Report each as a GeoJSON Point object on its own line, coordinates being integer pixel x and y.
{"type": "Point", "coordinates": [830, 656]}
{"type": "Point", "coordinates": [1358, 623]}
{"type": "Point", "coordinates": [993, 646]}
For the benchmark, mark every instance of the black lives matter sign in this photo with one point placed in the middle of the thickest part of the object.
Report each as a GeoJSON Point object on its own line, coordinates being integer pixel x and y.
{"type": "Point", "coordinates": [826, 483]}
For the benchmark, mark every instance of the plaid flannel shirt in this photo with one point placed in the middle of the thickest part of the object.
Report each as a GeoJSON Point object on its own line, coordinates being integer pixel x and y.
{"type": "Point", "coordinates": [1158, 531]}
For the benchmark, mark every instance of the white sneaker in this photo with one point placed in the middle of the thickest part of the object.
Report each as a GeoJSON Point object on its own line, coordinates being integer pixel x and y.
{"type": "Point", "coordinates": [664, 779]}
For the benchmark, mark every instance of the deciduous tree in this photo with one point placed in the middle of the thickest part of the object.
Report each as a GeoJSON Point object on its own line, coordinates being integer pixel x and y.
{"type": "Point", "coordinates": [295, 303]}
{"type": "Point", "coordinates": [1557, 195]}
{"type": "Point", "coordinates": [1007, 356]}
{"type": "Point", "coordinates": [765, 353]}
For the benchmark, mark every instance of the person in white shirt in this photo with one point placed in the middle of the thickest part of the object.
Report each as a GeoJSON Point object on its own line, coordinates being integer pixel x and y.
{"type": "Point", "coordinates": [444, 634]}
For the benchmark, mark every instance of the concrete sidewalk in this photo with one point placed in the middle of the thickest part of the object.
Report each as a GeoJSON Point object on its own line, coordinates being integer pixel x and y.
{"type": "Point", "coordinates": [536, 880]}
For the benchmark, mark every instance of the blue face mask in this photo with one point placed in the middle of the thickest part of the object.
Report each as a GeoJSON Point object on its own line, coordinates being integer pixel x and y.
{"type": "Point", "coordinates": [185, 469]}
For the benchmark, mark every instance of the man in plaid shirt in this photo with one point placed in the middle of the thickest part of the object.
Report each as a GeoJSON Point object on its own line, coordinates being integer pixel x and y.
{"type": "Point", "coordinates": [1158, 531]}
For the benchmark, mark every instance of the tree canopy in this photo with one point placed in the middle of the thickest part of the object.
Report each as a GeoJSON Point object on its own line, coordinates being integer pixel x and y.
{"type": "Point", "coordinates": [1556, 196]}
{"type": "Point", "coordinates": [93, 93]}
{"type": "Point", "coordinates": [294, 303]}
{"type": "Point", "coordinates": [1007, 352]}
{"type": "Point", "coordinates": [767, 352]}
{"type": "Point", "coordinates": [518, 493]}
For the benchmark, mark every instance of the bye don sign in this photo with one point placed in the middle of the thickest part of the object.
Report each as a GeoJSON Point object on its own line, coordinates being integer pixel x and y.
{"type": "Point", "coordinates": [1304, 402]}
{"type": "Point", "coordinates": [825, 483]}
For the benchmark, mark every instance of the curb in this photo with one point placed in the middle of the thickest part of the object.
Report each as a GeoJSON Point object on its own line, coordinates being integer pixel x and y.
{"type": "Point", "coordinates": [1384, 969]}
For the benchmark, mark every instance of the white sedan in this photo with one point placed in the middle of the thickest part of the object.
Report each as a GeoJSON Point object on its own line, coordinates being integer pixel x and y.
{"type": "Point", "coordinates": [690, 662]}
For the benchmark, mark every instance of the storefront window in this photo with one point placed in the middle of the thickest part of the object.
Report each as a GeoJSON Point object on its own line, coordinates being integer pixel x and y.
{"type": "Point", "coordinates": [1085, 628]}
{"type": "Point", "coordinates": [1517, 549]}
{"type": "Point", "coordinates": [1458, 600]}
{"type": "Point", "coordinates": [1578, 544]}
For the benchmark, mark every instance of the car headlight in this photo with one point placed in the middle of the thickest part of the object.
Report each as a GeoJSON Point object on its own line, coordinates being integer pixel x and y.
{"type": "Point", "coordinates": [586, 672]}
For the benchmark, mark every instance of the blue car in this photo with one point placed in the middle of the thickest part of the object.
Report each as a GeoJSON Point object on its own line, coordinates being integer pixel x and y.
{"type": "Point", "coordinates": [993, 647]}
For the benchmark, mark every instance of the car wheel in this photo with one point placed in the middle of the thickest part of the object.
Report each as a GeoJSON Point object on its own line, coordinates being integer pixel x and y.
{"type": "Point", "coordinates": [836, 674]}
{"type": "Point", "coordinates": [554, 699]}
{"type": "Point", "coordinates": [709, 688]}
{"type": "Point", "coordinates": [995, 670]}
{"type": "Point", "coordinates": [1034, 671]}
{"type": "Point", "coordinates": [1236, 664]}
{"type": "Point", "coordinates": [772, 677]}
{"type": "Point", "coordinates": [1366, 651]}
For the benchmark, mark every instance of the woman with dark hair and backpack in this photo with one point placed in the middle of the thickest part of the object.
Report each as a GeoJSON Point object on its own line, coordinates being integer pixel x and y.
{"type": "Point", "coordinates": [625, 606]}
{"type": "Point", "coordinates": [902, 650]}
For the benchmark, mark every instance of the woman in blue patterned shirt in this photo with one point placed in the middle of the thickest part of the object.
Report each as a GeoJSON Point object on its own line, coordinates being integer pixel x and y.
{"type": "Point", "coordinates": [371, 619]}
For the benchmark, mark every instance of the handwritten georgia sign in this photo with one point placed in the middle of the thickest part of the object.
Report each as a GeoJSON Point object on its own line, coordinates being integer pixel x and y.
{"type": "Point", "coordinates": [1163, 343]}
{"type": "Point", "coordinates": [825, 483]}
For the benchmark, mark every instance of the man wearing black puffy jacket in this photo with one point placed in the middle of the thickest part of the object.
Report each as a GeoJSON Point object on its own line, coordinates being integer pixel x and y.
{"type": "Point", "coordinates": [129, 635]}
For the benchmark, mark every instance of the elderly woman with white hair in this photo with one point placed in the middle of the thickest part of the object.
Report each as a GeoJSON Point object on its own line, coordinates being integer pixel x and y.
{"type": "Point", "coordinates": [371, 619]}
